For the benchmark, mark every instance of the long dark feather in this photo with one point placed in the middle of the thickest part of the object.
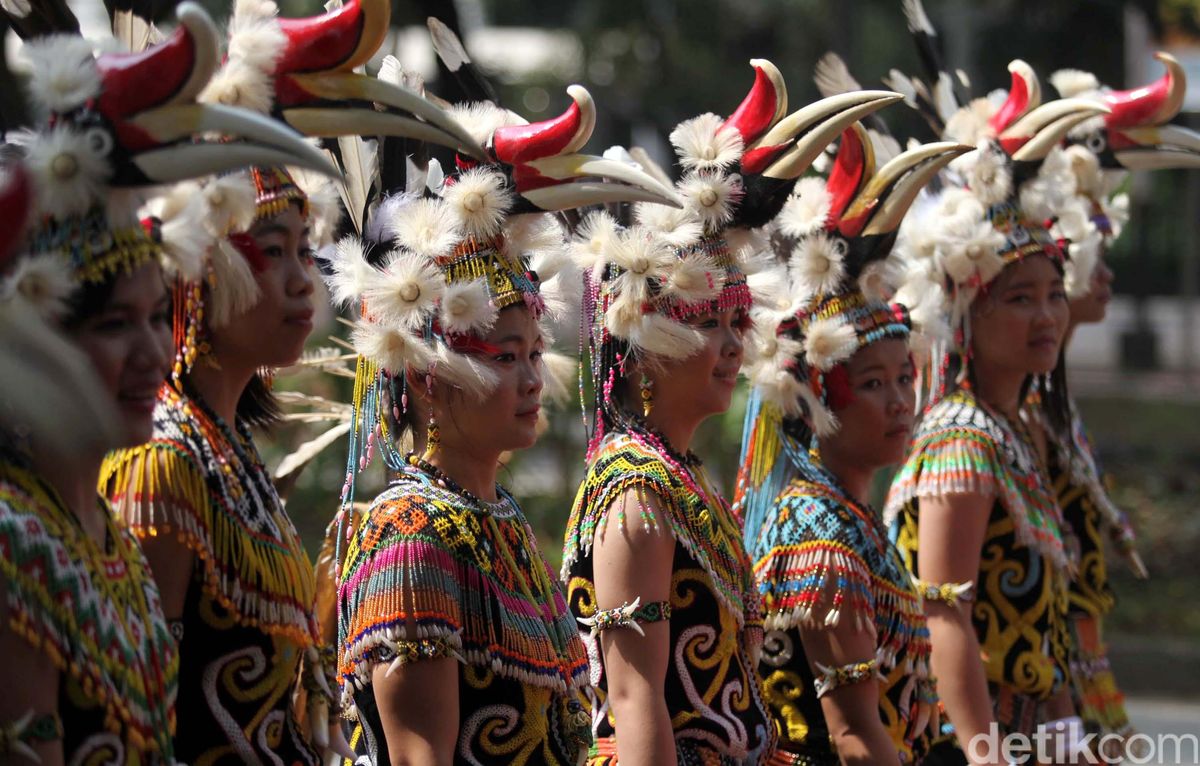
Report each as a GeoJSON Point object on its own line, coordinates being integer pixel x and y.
{"type": "Point", "coordinates": [454, 56]}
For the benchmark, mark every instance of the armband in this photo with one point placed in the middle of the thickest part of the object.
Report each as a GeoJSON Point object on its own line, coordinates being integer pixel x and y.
{"type": "Point", "coordinates": [628, 616]}
{"type": "Point", "coordinates": [950, 593]}
{"type": "Point", "coordinates": [17, 737]}
{"type": "Point", "coordinates": [833, 677]}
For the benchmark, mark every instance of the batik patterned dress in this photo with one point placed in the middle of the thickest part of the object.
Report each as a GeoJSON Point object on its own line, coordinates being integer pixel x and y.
{"type": "Point", "coordinates": [471, 579]}
{"type": "Point", "coordinates": [815, 536]}
{"type": "Point", "coordinates": [1020, 607]}
{"type": "Point", "coordinates": [1093, 518]}
{"type": "Point", "coordinates": [248, 614]}
{"type": "Point", "coordinates": [713, 693]}
{"type": "Point", "coordinates": [95, 612]}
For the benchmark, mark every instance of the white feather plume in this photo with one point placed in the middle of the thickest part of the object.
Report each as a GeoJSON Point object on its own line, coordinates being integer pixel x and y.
{"type": "Point", "coordinates": [392, 348]}
{"type": "Point", "coordinates": [350, 274]}
{"type": "Point", "coordinates": [230, 203]}
{"type": "Point", "coordinates": [693, 279]}
{"type": "Point", "coordinates": [481, 119]}
{"type": "Point", "coordinates": [467, 372]}
{"type": "Point", "coordinates": [969, 125]}
{"type": "Point", "coordinates": [528, 234]}
{"type": "Point", "coordinates": [324, 205]}
{"type": "Point", "coordinates": [702, 144]}
{"type": "Point", "coordinates": [62, 72]}
{"type": "Point", "coordinates": [235, 289]}
{"type": "Point", "coordinates": [818, 264]}
{"type": "Point", "coordinates": [1072, 83]}
{"type": "Point", "coordinates": [678, 227]}
{"type": "Point", "coordinates": [987, 173]}
{"type": "Point", "coordinates": [466, 307]}
{"type": "Point", "coordinates": [642, 257]}
{"type": "Point", "coordinates": [558, 375]}
{"type": "Point", "coordinates": [828, 342]}
{"type": "Point", "coordinates": [663, 337]}
{"type": "Point", "coordinates": [427, 228]}
{"type": "Point", "coordinates": [711, 196]}
{"type": "Point", "coordinates": [592, 239]}
{"type": "Point", "coordinates": [185, 239]}
{"type": "Point", "coordinates": [40, 285]}
{"type": "Point", "coordinates": [480, 199]}
{"type": "Point", "coordinates": [405, 292]}
{"type": "Point", "coordinates": [69, 174]}
{"type": "Point", "coordinates": [807, 209]}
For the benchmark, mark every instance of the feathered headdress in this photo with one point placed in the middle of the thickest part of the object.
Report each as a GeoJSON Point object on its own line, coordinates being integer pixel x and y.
{"type": "Point", "coordinates": [643, 282]}
{"type": "Point", "coordinates": [123, 121]}
{"type": "Point", "coordinates": [443, 258]}
{"type": "Point", "coordinates": [832, 298]}
{"type": "Point", "coordinates": [1134, 135]}
{"type": "Point", "coordinates": [995, 206]}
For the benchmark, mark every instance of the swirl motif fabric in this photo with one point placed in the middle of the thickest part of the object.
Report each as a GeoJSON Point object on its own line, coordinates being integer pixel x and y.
{"type": "Point", "coordinates": [248, 613]}
{"type": "Point", "coordinates": [1020, 611]}
{"type": "Point", "coordinates": [714, 697]}
{"type": "Point", "coordinates": [479, 591]}
{"type": "Point", "coordinates": [95, 612]}
{"type": "Point", "coordinates": [815, 538]}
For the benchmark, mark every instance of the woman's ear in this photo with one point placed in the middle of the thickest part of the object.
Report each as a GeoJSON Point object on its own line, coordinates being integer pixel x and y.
{"type": "Point", "coordinates": [418, 388]}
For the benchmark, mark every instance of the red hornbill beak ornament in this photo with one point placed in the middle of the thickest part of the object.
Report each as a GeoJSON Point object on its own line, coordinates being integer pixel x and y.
{"type": "Point", "coordinates": [1135, 134]}
{"type": "Point", "coordinates": [146, 122]}
{"type": "Point", "coordinates": [868, 204]}
{"type": "Point", "coordinates": [780, 147]}
{"type": "Point", "coordinates": [1026, 128]}
{"type": "Point", "coordinates": [318, 93]}
{"type": "Point", "coordinates": [550, 174]}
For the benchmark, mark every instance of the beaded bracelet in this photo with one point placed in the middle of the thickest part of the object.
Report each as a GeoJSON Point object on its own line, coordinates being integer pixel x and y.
{"type": "Point", "coordinates": [856, 672]}
{"type": "Point", "coordinates": [950, 593]}
{"type": "Point", "coordinates": [16, 737]}
{"type": "Point", "coordinates": [628, 616]}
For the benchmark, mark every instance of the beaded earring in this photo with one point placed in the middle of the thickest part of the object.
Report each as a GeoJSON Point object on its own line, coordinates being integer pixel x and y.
{"type": "Point", "coordinates": [433, 433]}
{"type": "Point", "coordinates": [647, 391]}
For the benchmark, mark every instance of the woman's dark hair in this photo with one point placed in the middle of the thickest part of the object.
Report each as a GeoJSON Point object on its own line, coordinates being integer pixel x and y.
{"type": "Point", "coordinates": [88, 300]}
{"type": "Point", "coordinates": [258, 406]}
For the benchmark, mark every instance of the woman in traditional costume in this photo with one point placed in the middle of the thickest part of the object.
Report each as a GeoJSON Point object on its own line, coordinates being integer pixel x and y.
{"type": "Point", "coordinates": [845, 662]}
{"type": "Point", "coordinates": [654, 563]}
{"type": "Point", "coordinates": [973, 505]}
{"type": "Point", "coordinates": [455, 642]}
{"type": "Point", "coordinates": [1090, 215]}
{"type": "Point", "coordinates": [90, 668]}
{"type": "Point", "coordinates": [237, 584]}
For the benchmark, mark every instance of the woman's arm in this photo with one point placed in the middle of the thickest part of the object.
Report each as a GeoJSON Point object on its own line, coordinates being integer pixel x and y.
{"type": "Point", "coordinates": [418, 708]}
{"type": "Point", "coordinates": [30, 681]}
{"type": "Point", "coordinates": [950, 541]}
{"type": "Point", "coordinates": [631, 562]}
{"type": "Point", "coordinates": [171, 564]}
{"type": "Point", "coordinates": [851, 710]}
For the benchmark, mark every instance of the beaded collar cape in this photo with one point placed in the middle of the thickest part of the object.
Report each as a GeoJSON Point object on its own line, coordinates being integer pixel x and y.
{"type": "Point", "coordinates": [206, 483]}
{"type": "Point", "coordinates": [961, 446]}
{"type": "Point", "coordinates": [94, 611]}
{"type": "Point", "coordinates": [693, 511]}
{"type": "Point", "coordinates": [470, 577]}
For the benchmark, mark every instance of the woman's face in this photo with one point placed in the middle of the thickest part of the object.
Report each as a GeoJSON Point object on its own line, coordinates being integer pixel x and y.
{"type": "Point", "coordinates": [129, 344]}
{"type": "Point", "coordinates": [1019, 325]}
{"type": "Point", "coordinates": [507, 418]}
{"type": "Point", "coordinates": [1093, 307]}
{"type": "Point", "coordinates": [702, 384]}
{"type": "Point", "coordinates": [877, 422]}
{"type": "Point", "coordinates": [272, 333]}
